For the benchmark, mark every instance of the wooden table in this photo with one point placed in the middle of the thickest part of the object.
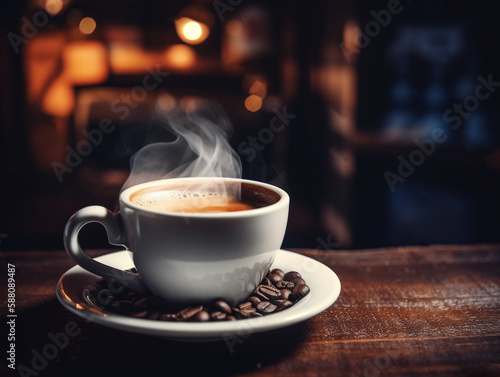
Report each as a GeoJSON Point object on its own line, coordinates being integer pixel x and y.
{"type": "Point", "coordinates": [408, 311]}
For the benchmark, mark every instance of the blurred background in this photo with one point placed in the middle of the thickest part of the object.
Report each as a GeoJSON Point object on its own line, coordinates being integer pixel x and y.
{"type": "Point", "coordinates": [379, 118]}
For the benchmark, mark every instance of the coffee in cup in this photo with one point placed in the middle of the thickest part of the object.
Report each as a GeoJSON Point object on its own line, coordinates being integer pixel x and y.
{"type": "Point", "coordinates": [195, 199]}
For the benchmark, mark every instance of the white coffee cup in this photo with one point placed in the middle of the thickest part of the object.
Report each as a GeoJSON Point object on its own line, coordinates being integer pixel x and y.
{"type": "Point", "coordinates": [189, 257]}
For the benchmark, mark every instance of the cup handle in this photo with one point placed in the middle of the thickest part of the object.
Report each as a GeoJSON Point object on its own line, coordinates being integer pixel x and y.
{"type": "Point", "coordinates": [113, 224]}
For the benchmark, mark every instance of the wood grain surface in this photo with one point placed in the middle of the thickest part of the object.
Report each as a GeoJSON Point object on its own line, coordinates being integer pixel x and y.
{"type": "Point", "coordinates": [407, 311]}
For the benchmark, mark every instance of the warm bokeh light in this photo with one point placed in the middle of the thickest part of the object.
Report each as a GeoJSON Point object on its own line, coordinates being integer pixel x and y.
{"type": "Point", "coordinates": [188, 103]}
{"type": "Point", "coordinates": [53, 7]}
{"type": "Point", "coordinates": [42, 61]}
{"type": "Point", "coordinates": [234, 28]}
{"type": "Point", "coordinates": [59, 99]}
{"type": "Point", "coordinates": [127, 58]}
{"type": "Point", "coordinates": [259, 88]}
{"type": "Point", "coordinates": [85, 62]}
{"type": "Point", "coordinates": [191, 31]}
{"type": "Point", "coordinates": [253, 103]}
{"type": "Point", "coordinates": [351, 40]}
{"type": "Point", "coordinates": [166, 102]}
{"type": "Point", "coordinates": [87, 25]}
{"type": "Point", "coordinates": [180, 56]}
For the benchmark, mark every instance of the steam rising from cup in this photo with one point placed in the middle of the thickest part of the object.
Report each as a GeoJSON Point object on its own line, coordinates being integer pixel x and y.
{"type": "Point", "coordinates": [200, 147]}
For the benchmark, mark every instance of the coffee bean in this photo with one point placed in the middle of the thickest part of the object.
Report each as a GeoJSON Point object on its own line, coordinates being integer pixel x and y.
{"type": "Point", "coordinates": [218, 315]}
{"type": "Point", "coordinates": [276, 292]}
{"type": "Point", "coordinates": [285, 284]}
{"type": "Point", "coordinates": [167, 317]}
{"type": "Point", "coordinates": [266, 281]}
{"type": "Point", "coordinates": [278, 271]}
{"type": "Point", "coordinates": [283, 305]}
{"type": "Point", "coordinates": [261, 296]}
{"type": "Point", "coordinates": [279, 301]}
{"type": "Point", "coordinates": [300, 291]}
{"type": "Point", "coordinates": [298, 281]}
{"type": "Point", "coordinates": [285, 294]}
{"type": "Point", "coordinates": [250, 310]}
{"type": "Point", "coordinates": [142, 302]}
{"type": "Point", "coordinates": [245, 305]}
{"type": "Point", "coordinates": [240, 313]}
{"type": "Point", "coordinates": [188, 312]}
{"type": "Point", "coordinates": [254, 300]}
{"type": "Point", "coordinates": [222, 306]}
{"type": "Point", "coordinates": [140, 314]}
{"type": "Point", "coordinates": [266, 307]}
{"type": "Point", "coordinates": [269, 291]}
{"type": "Point", "coordinates": [289, 276]}
{"type": "Point", "coordinates": [275, 278]}
{"type": "Point", "coordinates": [201, 316]}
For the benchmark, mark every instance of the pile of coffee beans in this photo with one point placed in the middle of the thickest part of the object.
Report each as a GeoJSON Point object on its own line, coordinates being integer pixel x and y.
{"type": "Point", "coordinates": [277, 291]}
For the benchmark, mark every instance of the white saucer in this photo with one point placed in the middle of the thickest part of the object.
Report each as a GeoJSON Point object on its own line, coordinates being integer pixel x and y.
{"type": "Point", "coordinates": [324, 284]}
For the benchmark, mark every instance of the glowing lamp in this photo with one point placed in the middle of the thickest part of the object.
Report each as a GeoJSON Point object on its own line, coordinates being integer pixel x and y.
{"type": "Point", "coordinates": [253, 103]}
{"type": "Point", "coordinates": [191, 31]}
{"type": "Point", "coordinates": [53, 7]}
{"type": "Point", "coordinates": [87, 25]}
{"type": "Point", "coordinates": [180, 56]}
{"type": "Point", "coordinates": [59, 99]}
{"type": "Point", "coordinates": [126, 58]}
{"type": "Point", "coordinates": [85, 62]}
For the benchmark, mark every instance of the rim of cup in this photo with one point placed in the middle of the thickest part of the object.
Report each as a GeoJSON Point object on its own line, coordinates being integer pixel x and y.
{"type": "Point", "coordinates": [283, 201]}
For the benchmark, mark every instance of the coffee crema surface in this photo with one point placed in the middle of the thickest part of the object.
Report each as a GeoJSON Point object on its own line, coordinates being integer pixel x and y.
{"type": "Point", "coordinates": [186, 201]}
